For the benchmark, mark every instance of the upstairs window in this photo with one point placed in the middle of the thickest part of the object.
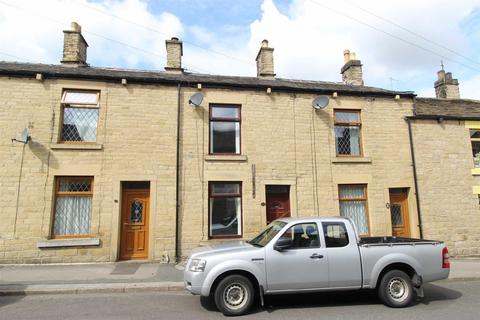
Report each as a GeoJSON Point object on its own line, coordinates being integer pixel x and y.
{"type": "Point", "coordinates": [224, 129]}
{"type": "Point", "coordinates": [80, 116]}
{"type": "Point", "coordinates": [347, 133]}
{"type": "Point", "coordinates": [475, 139]}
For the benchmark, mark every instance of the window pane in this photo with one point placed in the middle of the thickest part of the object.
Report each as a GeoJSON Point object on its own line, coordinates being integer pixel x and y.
{"type": "Point", "coordinates": [476, 153]}
{"type": "Point", "coordinates": [352, 192]}
{"type": "Point", "coordinates": [225, 137]}
{"type": "Point", "coordinates": [75, 185]}
{"type": "Point", "coordinates": [80, 124]}
{"type": "Point", "coordinates": [224, 112]}
{"type": "Point", "coordinates": [345, 116]}
{"type": "Point", "coordinates": [303, 235]}
{"type": "Point", "coordinates": [80, 97]}
{"type": "Point", "coordinates": [225, 217]}
{"type": "Point", "coordinates": [225, 188]}
{"type": "Point", "coordinates": [357, 211]}
{"type": "Point", "coordinates": [335, 234]}
{"type": "Point", "coordinates": [347, 140]}
{"type": "Point", "coordinates": [72, 215]}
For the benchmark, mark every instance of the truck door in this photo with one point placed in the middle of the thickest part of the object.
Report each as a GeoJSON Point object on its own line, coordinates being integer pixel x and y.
{"type": "Point", "coordinates": [343, 256]}
{"type": "Point", "coordinates": [303, 266]}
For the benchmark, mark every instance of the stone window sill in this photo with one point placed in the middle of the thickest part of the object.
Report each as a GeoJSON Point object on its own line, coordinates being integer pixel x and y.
{"type": "Point", "coordinates": [78, 242]}
{"type": "Point", "coordinates": [75, 146]}
{"type": "Point", "coordinates": [476, 172]}
{"type": "Point", "coordinates": [352, 160]}
{"type": "Point", "coordinates": [225, 157]}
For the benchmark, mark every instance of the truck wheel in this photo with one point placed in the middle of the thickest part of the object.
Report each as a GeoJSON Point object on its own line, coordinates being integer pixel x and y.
{"type": "Point", "coordinates": [234, 295]}
{"type": "Point", "coordinates": [396, 290]}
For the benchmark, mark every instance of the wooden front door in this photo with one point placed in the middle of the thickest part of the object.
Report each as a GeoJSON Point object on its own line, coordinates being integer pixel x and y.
{"type": "Point", "coordinates": [134, 238]}
{"type": "Point", "coordinates": [277, 201]}
{"type": "Point", "coordinates": [399, 213]}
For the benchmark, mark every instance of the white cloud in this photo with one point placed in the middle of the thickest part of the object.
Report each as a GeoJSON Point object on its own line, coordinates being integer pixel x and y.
{"type": "Point", "coordinates": [32, 31]}
{"type": "Point", "coordinates": [308, 39]}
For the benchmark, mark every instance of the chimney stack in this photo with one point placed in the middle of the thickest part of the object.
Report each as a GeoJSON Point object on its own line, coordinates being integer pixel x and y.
{"type": "Point", "coordinates": [446, 87]}
{"type": "Point", "coordinates": [74, 47]}
{"type": "Point", "coordinates": [174, 55]}
{"type": "Point", "coordinates": [265, 61]}
{"type": "Point", "coordinates": [352, 69]}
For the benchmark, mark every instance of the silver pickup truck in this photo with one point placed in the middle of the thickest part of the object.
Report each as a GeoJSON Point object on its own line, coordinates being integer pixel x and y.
{"type": "Point", "coordinates": [309, 255]}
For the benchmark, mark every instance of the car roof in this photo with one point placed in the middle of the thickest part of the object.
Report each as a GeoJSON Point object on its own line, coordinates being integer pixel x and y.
{"type": "Point", "coordinates": [310, 219]}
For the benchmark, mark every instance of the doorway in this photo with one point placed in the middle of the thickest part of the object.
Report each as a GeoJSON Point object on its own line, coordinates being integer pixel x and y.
{"type": "Point", "coordinates": [134, 220]}
{"type": "Point", "coordinates": [399, 212]}
{"type": "Point", "coordinates": [277, 201]}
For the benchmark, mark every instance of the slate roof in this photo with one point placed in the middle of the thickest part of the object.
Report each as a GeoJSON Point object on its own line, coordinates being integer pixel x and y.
{"type": "Point", "coordinates": [190, 79]}
{"type": "Point", "coordinates": [430, 108]}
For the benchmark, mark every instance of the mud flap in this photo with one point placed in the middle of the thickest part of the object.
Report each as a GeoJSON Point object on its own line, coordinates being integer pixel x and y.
{"type": "Point", "coordinates": [260, 292]}
{"type": "Point", "coordinates": [417, 282]}
{"type": "Point", "coordinates": [419, 292]}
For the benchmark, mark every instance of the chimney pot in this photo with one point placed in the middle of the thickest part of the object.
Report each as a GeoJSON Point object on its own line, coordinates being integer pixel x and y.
{"type": "Point", "coordinates": [75, 27]}
{"type": "Point", "coordinates": [265, 61]}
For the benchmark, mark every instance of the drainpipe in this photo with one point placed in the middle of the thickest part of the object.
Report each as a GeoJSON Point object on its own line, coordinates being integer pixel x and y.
{"type": "Point", "coordinates": [415, 179]}
{"type": "Point", "coordinates": [177, 181]}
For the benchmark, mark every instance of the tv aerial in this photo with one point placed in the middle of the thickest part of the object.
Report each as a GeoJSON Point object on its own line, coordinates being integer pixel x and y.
{"type": "Point", "coordinates": [196, 99]}
{"type": "Point", "coordinates": [24, 137]}
{"type": "Point", "coordinates": [320, 102]}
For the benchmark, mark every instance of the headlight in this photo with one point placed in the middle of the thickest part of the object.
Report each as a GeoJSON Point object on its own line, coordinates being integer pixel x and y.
{"type": "Point", "coordinates": [197, 265]}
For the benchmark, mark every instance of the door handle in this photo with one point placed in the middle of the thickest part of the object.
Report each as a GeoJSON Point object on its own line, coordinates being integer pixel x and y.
{"type": "Point", "coordinates": [316, 256]}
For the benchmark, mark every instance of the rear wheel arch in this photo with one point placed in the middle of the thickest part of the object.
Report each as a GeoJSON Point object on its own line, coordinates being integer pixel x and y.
{"type": "Point", "coordinates": [408, 269]}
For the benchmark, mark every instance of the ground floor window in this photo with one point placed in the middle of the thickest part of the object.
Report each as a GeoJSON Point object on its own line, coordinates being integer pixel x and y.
{"type": "Point", "coordinates": [225, 209]}
{"type": "Point", "coordinates": [353, 205]}
{"type": "Point", "coordinates": [73, 206]}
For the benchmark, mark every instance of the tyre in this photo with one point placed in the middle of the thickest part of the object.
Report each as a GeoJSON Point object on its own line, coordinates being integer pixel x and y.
{"type": "Point", "coordinates": [396, 289]}
{"type": "Point", "coordinates": [234, 295]}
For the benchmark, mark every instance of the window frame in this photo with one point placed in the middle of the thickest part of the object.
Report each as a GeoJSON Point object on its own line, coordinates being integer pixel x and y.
{"type": "Point", "coordinates": [58, 193]}
{"type": "Point", "coordinates": [78, 105]}
{"type": "Point", "coordinates": [365, 199]}
{"type": "Point", "coordinates": [225, 195]}
{"type": "Point", "coordinates": [303, 248]}
{"type": "Point", "coordinates": [471, 145]}
{"type": "Point", "coordinates": [224, 119]}
{"type": "Point", "coordinates": [348, 124]}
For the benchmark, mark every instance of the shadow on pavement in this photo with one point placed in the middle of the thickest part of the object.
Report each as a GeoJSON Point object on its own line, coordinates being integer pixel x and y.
{"type": "Point", "coordinates": [11, 299]}
{"type": "Point", "coordinates": [435, 292]}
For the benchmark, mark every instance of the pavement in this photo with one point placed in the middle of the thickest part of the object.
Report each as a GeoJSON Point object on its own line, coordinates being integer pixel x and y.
{"type": "Point", "coordinates": [122, 277]}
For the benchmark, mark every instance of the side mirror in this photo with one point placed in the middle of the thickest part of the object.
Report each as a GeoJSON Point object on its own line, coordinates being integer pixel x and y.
{"type": "Point", "coordinates": [283, 244]}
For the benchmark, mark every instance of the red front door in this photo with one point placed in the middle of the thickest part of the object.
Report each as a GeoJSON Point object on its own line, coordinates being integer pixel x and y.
{"type": "Point", "coordinates": [277, 201]}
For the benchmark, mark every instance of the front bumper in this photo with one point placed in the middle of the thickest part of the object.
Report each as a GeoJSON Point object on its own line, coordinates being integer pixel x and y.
{"type": "Point", "coordinates": [193, 282]}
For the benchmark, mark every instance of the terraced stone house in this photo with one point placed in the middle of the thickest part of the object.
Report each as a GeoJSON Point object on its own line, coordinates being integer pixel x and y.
{"type": "Point", "coordinates": [127, 164]}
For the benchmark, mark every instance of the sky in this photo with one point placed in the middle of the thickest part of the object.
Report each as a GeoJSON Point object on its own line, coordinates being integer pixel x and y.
{"type": "Point", "coordinates": [400, 43]}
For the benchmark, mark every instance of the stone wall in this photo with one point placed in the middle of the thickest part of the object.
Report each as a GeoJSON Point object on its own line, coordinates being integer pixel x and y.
{"type": "Point", "coordinates": [450, 210]}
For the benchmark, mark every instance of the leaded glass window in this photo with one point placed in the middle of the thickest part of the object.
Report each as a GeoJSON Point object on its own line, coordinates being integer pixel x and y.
{"type": "Point", "coordinates": [80, 116]}
{"type": "Point", "coordinates": [136, 211]}
{"type": "Point", "coordinates": [347, 133]}
{"type": "Point", "coordinates": [73, 206]}
{"type": "Point", "coordinates": [224, 129]}
{"type": "Point", "coordinates": [225, 209]}
{"type": "Point", "coordinates": [353, 204]}
{"type": "Point", "coordinates": [475, 139]}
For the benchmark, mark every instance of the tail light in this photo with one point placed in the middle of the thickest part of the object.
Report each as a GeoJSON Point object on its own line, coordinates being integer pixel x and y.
{"type": "Point", "coordinates": [445, 259]}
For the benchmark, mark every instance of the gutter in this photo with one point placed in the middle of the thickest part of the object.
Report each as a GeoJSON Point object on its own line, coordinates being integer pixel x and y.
{"type": "Point", "coordinates": [177, 180]}
{"type": "Point", "coordinates": [415, 178]}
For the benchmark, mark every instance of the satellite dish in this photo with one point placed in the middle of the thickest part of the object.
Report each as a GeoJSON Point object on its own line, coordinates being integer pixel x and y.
{"type": "Point", "coordinates": [320, 102]}
{"type": "Point", "coordinates": [196, 99]}
{"type": "Point", "coordinates": [24, 137]}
